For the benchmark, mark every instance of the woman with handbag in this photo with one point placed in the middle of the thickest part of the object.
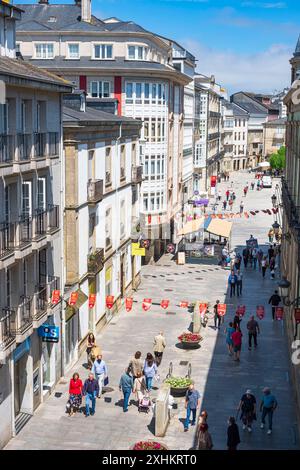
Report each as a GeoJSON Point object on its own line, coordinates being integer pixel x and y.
{"type": "Point", "coordinates": [150, 370]}
{"type": "Point", "coordinates": [75, 393]}
{"type": "Point", "coordinates": [91, 343]}
{"type": "Point", "coordinates": [139, 386]}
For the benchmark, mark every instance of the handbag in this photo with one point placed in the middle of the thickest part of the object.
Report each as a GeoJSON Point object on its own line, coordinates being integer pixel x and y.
{"type": "Point", "coordinates": [106, 381]}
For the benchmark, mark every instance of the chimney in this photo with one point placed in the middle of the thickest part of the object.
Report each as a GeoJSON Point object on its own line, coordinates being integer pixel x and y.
{"type": "Point", "coordinates": [86, 10]}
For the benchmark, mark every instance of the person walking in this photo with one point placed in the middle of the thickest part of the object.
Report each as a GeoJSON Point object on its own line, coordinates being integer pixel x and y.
{"type": "Point", "coordinates": [203, 438]}
{"type": "Point", "coordinates": [224, 205]}
{"type": "Point", "coordinates": [150, 370]}
{"type": "Point", "coordinates": [126, 386]}
{"type": "Point", "coordinates": [230, 202]}
{"type": "Point", "coordinates": [253, 331]}
{"type": "Point", "coordinates": [217, 317]}
{"type": "Point", "coordinates": [91, 343]}
{"type": "Point", "coordinates": [241, 207]}
{"type": "Point", "coordinates": [267, 407]}
{"type": "Point", "coordinates": [229, 330]}
{"type": "Point", "coordinates": [90, 391]}
{"type": "Point", "coordinates": [260, 255]}
{"type": "Point", "coordinates": [233, 435]}
{"type": "Point", "coordinates": [254, 258]}
{"type": "Point", "coordinates": [136, 365]}
{"type": "Point", "coordinates": [252, 185]}
{"type": "Point", "coordinates": [159, 347]}
{"type": "Point", "coordinates": [237, 343]}
{"type": "Point", "coordinates": [264, 266]}
{"type": "Point", "coordinates": [232, 281]}
{"type": "Point", "coordinates": [75, 393]}
{"type": "Point", "coordinates": [139, 386]}
{"type": "Point", "coordinates": [233, 196]}
{"type": "Point", "coordinates": [246, 254]}
{"type": "Point", "coordinates": [239, 282]}
{"type": "Point", "coordinates": [274, 301]}
{"type": "Point", "coordinates": [271, 252]}
{"type": "Point", "coordinates": [99, 370]}
{"type": "Point", "coordinates": [247, 406]}
{"type": "Point", "coordinates": [271, 235]}
{"type": "Point", "coordinates": [192, 403]}
{"type": "Point", "coordinates": [236, 321]}
{"type": "Point", "coordinates": [227, 194]}
{"type": "Point", "coordinates": [272, 267]}
{"type": "Point", "coordinates": [245, 191]}
{"type": "Point", "coordinates": [219, 195]}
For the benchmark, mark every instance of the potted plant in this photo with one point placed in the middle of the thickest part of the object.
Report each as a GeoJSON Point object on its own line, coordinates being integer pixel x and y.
{"type": "Point", "coordinates": [190, 340]}
{"type": "Point", "coordinates": [178, 385]}
{"type": "Point", "coordinates": [149, 445]}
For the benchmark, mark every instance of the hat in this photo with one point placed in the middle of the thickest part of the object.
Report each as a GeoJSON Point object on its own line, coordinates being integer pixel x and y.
{"type": "Point", "coordinates": [248, 392]}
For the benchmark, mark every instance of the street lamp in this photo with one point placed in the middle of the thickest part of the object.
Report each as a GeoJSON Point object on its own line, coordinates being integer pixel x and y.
{"type": "Point", "coordinates": [274, 200]}
{"type": "Point", "coordinates": [284, 287]}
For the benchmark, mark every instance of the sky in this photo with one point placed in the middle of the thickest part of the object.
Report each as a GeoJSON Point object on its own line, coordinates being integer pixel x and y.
{"type": "Point", "coordinates": [245, 44]}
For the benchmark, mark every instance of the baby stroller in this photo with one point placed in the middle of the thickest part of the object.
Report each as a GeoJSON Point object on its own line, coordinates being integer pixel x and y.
{"type": "Point", "coordinates": [144, 404]}
{"type": "Point", "coordinates": [73, 404]}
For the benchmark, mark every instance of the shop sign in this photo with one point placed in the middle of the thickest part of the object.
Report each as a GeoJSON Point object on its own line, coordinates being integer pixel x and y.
{"type": "Point", "coordinates": [109, 301]}
{"type": "Point", "coordinates": [49, 333]}
{"type": "Point", "coordinates": [221, 310]}
{"type": "Point", "coordinates": [22, 349]}
{"type": "Point", "coordinates": [260, 311]}
{"type": "Point", "coordinates": [55, 298]}
{"type": "Point", "coordinates": [136, 250]}
{"type": "Point", "coordinates": [92, 300]}
{"type": "Point", "coordinates": [128, 303]}
{"type": "Point", "coordinates": [279, 313]}
{"type": "Point", "coordinates": [297, 315]}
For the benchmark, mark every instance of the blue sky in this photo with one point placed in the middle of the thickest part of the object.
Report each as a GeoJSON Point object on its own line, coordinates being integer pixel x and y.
{"type": "Point", "coordinates": [245, 44]}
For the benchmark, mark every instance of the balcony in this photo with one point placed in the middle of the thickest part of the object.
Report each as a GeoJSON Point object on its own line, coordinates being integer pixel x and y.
{"type": "Point", "coordinates": [292, 211]}
{"type": "Point", "coordinates": [7, 239]}
{"type": "Point", "coordinates": [24, 143]}
{"type": "Point", "coordinates": [95, 262]}
{"type": "Point", "coordinates": [22, 325]}
{"type": "Point", "coordinates": [137, 174]}
{"type": "Point", "coordinates": [214, 136]}
{"type": "Point", "coordinates": [53, 218]}
{"type": "Point", "coordinates": [40, 223]}
{"type": "Point", "coordinates": [7, 336]}
{"type": "Point", "coordinates": [40, 306]}
{"type": "Point", "coordinates": [7, 148]}
{"type": "Point", "coordinates": [25, 230]}
{"type": "Point", "coordinates": [40, 143]}
{"type": "Point", "coordinates": [53, 149]}
{"type": "Point", "coordinates": [94, 191]}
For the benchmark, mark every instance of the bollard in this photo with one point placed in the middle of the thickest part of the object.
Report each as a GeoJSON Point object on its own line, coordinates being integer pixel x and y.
{"type": "Point", "coordinates": [162, 414]}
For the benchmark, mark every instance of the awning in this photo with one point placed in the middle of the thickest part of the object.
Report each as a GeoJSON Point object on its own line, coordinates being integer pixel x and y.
{"type": "Point", "coordinates": [220, 227]}
{"type": "Point", "coordinates": [191, 226]}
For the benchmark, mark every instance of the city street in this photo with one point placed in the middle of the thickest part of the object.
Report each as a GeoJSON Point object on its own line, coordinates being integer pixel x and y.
{"type": "Point", "coordinates": [220, 381]}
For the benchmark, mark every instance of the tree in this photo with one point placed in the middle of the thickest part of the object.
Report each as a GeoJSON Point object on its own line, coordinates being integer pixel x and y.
{"type": "Point", "coordinates": [277, 160]}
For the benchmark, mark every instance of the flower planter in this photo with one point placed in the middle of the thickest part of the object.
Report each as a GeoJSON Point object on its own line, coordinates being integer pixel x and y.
{"type": "Point", "coordinates": [149, 445]}
{"type": "Point", "coordinates": [178, 389]}
{"type": "Point", "coordinates": [190, 340]}
{"type": "Point", "coordinates": [190, 344]}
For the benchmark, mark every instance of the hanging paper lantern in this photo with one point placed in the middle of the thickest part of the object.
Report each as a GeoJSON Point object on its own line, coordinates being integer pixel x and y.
{"type": "Point", "coordinates": [279, 313]}
{"type": "Point", "coordinates": [109, 301]}
{"type": "Point", "coordinates": [146, 305]}
{"type": "Point", "coordinates": [55, 298]}
{"type": "Point", "coordinates": [202, 309]}
{"type": "Point", "coordinates": [260, 311]}
{"type": "Point", "coordinates": [164, 304]}
{"type": "Point", "coordinates": [128, 303]}
{"type": "Point", "coordinates": [183, 304]}
{"type": "Point", "coordinates": [73, 298]}
{"type": "Point", "coordinates": [241, 310]}
{"type": "Point", "coordinates": [92, 300]}
{"type": "Point", "coordinates": [221, 309]}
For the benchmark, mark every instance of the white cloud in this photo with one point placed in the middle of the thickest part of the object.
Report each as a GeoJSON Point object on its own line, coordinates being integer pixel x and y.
{"type": "Point", "coordinates": [267, 5]}
{"type": "Point", "coordinates": [264, 71]}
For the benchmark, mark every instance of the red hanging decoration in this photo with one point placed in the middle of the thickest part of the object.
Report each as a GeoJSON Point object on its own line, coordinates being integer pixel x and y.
{"type": "Point", "coordinates": [260, 311]}
{"type": "Point", "coordinates": [221, 309]}
{"type": "Point", "coordinates": [73, 298]}
{"type": "Point", "coordinates": [146, 305]}
{"type": "Point", "coordinates": [92, 300]}
{"type": "Point", "coordinates": [109, 301]}
{"type": "Point", "coordinates": [55, 298]}
{"type": "Point", "coordinates": [164, 304]}
{"type": "Point", "coordinates": [241, 310]}
{"type": "Point", "coordinates": [149, 219]}
{"type": "Point", "coordinates": [128, 303]}
{"type": "Point", "coordinates": [183, 304]}
{"type": "Point", "coordinates": [202, 309]}
{"type": "Point", "coordinates": [279, 313]}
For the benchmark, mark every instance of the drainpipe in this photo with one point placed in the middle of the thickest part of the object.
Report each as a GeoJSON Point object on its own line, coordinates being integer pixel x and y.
{"type": "Point", "coordinates": [62, 205]}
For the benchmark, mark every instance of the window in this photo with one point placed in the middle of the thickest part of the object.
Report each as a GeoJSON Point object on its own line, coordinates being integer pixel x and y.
{"type": "Point", "coordinates": [138, 93]}
{"type": "Point", "coordinates": [133, 154]}
{"type": "Point", "coordinates": [146, 92]}
{"type": "Point", "coordinates": [73, 51]}
{"type": "Point", "coordinates": [8, 288]}
{"type": "Point", "coordinates": [41, 194]}
{"type": "Point", "coordinates": [129, 92]}
{"type": "Point", "coordinates": [146, 129]}
{"type": "Point", "coordinates": [108, 166]}
{"type": "Point", "coordinates": [43, 267]}
{"type": "Point", "coordinates": [123, 162]}
{"type": "Point", "coordinates": [137, 53]}
{"type": "Point", "coordinates": [108, 228]}
{"type": "Point", "coordinates": [100, 89]}
{"type": "Point", "coordinates": [44, 51]}
{"type": "Point", "coordinates": [103, 51]}
{"type": "Point", "coordinates": [122, 219]}
{"type": "Point", "coordinates": [26, 200]}
{"type": "Point", "coordinates": [154, 93]}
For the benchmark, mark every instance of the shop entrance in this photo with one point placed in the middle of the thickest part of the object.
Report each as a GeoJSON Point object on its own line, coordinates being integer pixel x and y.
{"type": "Point", "coordinates": [20, 382]}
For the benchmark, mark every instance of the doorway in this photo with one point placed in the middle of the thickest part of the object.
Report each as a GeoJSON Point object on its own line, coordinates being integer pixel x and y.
{"type": "Point", "coordinates": [20, 382]}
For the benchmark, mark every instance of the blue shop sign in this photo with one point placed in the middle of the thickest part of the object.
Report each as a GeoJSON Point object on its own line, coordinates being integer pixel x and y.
{"type": "Point", "coordinates": [49, 333]}
{"type": "Point", "coordinates": [22, 349]}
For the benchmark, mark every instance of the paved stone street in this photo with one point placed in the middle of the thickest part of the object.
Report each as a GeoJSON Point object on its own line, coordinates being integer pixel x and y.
{"type": "Point", "coordinates": [220, 380]}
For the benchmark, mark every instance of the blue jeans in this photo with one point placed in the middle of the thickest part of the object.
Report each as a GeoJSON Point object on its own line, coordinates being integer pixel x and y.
{"type": "Point", "coordinates": [149, 383]}
{"type": "Point", "coordinates": [269, 412]}
{"type": "Point", "coordinates": [90, 397]}
{"type": "Point", "coordinates": [190, 410]}
{"type": "Point", "coordinates": [254, 263]}
{"type": "Point", "coordinates": [126, 393]}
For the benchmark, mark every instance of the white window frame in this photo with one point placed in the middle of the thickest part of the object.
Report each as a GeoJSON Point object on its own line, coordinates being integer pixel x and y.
{"type": "Point", "coordinates": [68, 50]}
{"type": "Point", "coordinates": [29, 185]}
{"type": "Point", "coordinates": [100, 87]}
{"type": "Point", "coordinates": [101, 44]}
{"type": "Point", "coordinates": [36, 44]}
{"type": "Point", "coordinates": [145, 53]}
{"type": "Point", "coordinates": [42, 180]}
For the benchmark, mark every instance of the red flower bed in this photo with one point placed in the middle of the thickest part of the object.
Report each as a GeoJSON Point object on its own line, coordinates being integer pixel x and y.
{"type": "Point", "coordinates": [190, 337]}
{"type": "Point", "coordinates": [148, 445]}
